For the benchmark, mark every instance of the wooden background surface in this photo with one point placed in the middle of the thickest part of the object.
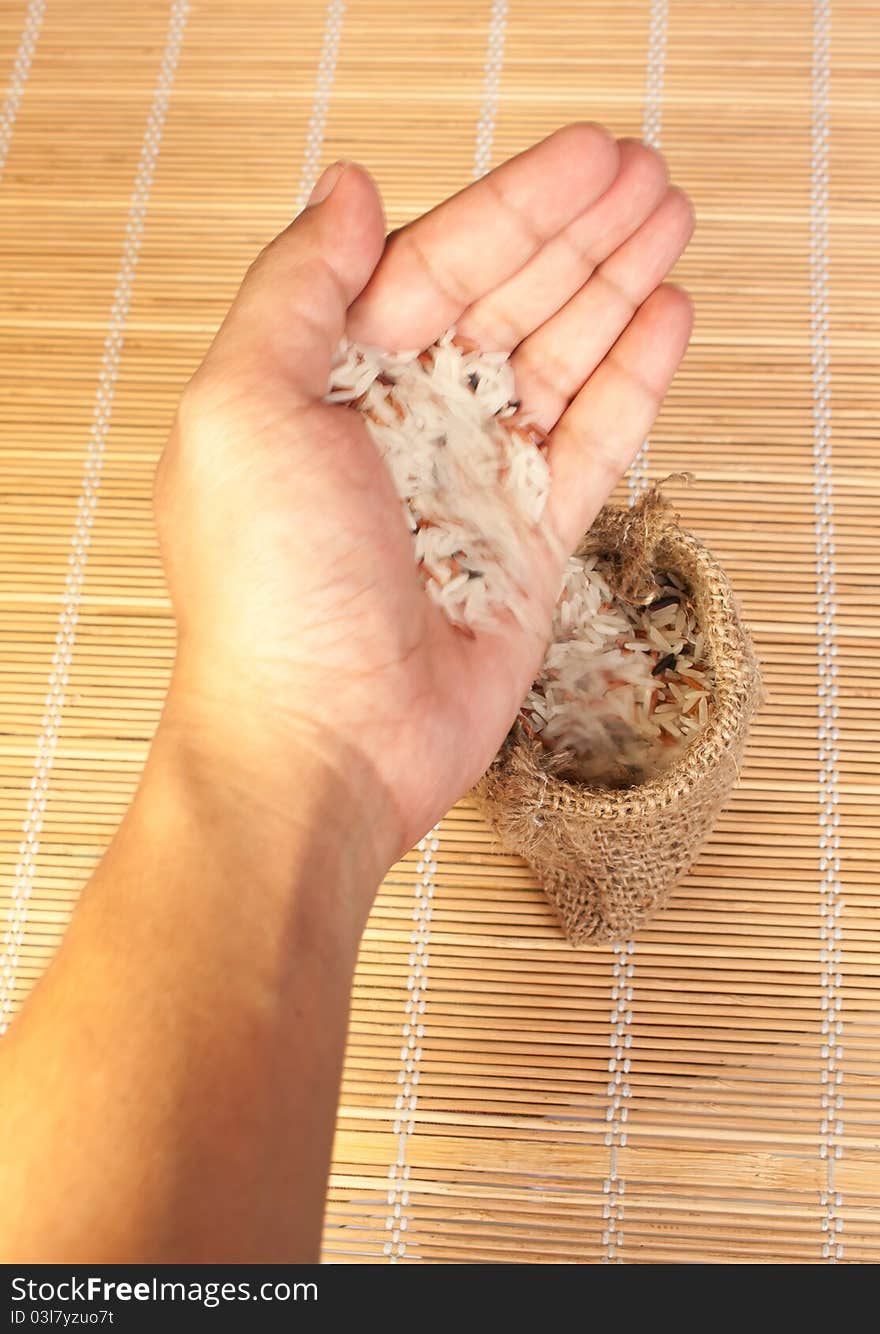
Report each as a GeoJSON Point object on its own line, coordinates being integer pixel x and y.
{"type": "Point", "coordinates": [709, 1092]}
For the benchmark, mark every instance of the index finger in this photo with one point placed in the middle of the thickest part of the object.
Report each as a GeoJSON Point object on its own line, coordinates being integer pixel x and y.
{"type": "Point", "coordinates": [437, 266]}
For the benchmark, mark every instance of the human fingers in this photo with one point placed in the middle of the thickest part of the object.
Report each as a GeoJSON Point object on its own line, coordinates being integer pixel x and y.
{"type": "Point", "coordinates": [505, 316]}
{"type": "Point", "coordinates": [598, 436]}
{"type": "Point", "coordinates": [291, 308]}
{"type": "Point", "coordinates": [437, 266]}
{"type": "Point", "coordinates": [554, 362]}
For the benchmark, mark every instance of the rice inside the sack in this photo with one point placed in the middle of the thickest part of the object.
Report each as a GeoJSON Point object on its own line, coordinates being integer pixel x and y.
{"type": "Point", "coordinates": [623, 688]}
{"type": "Point", "coordinates": [467, 463]}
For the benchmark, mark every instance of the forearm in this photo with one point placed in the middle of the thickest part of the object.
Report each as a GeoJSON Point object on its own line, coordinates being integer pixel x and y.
{"type": "Point", "coordinates": [169, 1092]}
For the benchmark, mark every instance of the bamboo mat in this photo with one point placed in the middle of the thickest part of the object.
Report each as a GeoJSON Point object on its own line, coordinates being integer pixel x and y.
{"type": "Point", "coordinates": [709, 1092]}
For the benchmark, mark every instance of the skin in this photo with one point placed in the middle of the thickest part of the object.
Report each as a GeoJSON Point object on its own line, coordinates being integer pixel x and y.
{"type": "Point", "coordinates": [170, 1088]}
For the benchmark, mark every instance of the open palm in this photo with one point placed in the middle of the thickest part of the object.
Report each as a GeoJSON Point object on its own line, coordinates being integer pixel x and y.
{"type": "Point", "coordinates": [291, 573]}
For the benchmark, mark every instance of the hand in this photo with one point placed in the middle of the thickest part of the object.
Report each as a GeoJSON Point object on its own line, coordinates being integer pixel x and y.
{"type": "Point", "coordinates": [174, 1075]}
{"type": "Point", "coordinates": [303, 626]}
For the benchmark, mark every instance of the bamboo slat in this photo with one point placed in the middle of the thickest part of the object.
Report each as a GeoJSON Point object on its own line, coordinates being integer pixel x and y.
{"type": "Point", "coordinates": [661, 1103]}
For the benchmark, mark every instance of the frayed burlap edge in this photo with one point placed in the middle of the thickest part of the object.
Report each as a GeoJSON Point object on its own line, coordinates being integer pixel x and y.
{"type": "Point", "coordinates": [608, 860]}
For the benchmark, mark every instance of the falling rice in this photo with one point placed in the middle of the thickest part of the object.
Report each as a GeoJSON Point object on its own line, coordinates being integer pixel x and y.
{"type": "Point", "coordinates": [622, 689]}
{"type": "Point", "coordinates": [467, 463]}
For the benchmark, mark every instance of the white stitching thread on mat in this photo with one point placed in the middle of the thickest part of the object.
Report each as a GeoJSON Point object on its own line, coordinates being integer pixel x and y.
{"type": "Point", "coordinates": [831, 905]}
{"type": "Point", "coordinates": [21, 68]}
{"type": "Point", "coordinates": [406, 1101]}
{"type": "Point", "coordinates": [623, 970]}
{"type": "Point", "coordinates": [321, 103]}
{"type": "Point", "coordinates": [652, 120]}
{"type": "Point", "coordinates": [620, 1041]}
{"type": "Point", "coordinates": [66, 636]}
{"type": "Point", "coordinates": [412, 1035]}
{"type": "Point", "coordinates": [491, 87]}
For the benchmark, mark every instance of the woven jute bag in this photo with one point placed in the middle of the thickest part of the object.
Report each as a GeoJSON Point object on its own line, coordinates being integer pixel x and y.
{"type": "Point", "coordinates": [608, 859]}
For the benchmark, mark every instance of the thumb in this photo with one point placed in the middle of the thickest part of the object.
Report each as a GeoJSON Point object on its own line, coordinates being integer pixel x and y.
{"type": "Point", "coordinates": [290, 310]}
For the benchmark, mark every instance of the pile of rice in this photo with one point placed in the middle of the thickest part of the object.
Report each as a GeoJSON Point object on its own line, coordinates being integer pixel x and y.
{"type": "Point", "coordinates": [622, 690]}
{"type": "Point", "coordinates": [467, 463]}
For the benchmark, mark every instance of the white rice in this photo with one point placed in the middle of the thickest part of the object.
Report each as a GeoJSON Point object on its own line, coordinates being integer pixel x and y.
{"type": "Point", "coordinates": [622, 689]}
{"type": "Point", "coordinates": [468, 465]}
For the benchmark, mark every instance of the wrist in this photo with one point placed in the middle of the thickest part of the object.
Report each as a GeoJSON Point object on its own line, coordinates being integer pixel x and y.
{"type": "Point", "coordinates": [282, 785]}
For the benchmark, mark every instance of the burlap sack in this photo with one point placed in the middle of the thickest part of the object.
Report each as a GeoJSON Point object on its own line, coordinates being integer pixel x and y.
{"type": "Point", "coordinates": [607, 860]}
